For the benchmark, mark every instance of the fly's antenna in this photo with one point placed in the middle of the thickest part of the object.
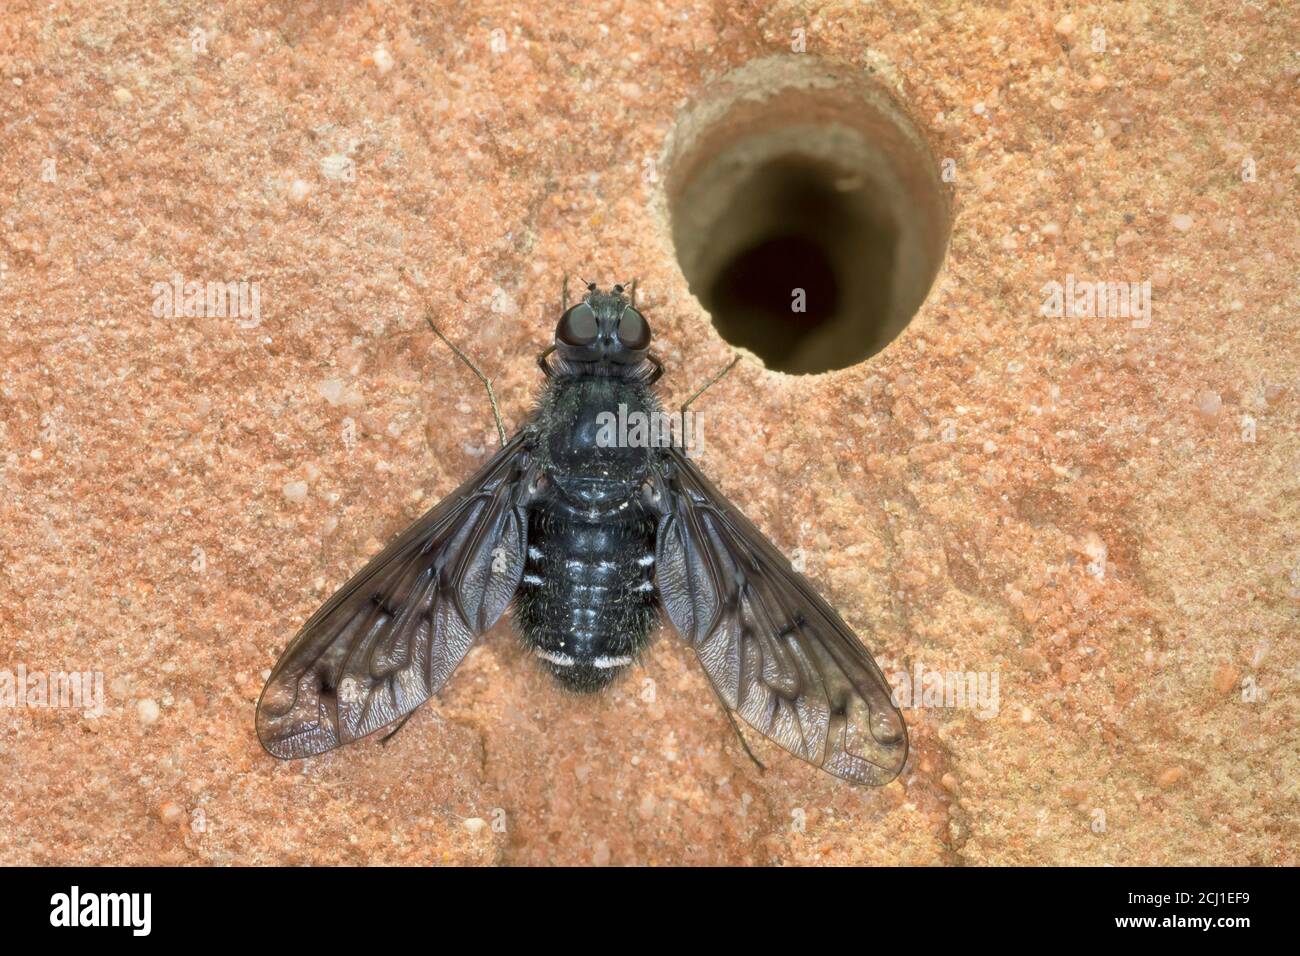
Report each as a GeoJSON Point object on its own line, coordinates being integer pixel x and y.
{"type": "Point", "coordinates": [629, 288]}
{"type": "Point", "coordinates": [589, 286]}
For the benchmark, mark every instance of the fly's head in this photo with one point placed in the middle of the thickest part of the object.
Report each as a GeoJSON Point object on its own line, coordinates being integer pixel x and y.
{"type": "Point", "coordinates": [604, 330]}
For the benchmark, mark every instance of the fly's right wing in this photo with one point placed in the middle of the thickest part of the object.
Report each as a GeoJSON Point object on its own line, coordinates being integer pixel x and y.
{"type": "Point", "coordinates": [778, 655]}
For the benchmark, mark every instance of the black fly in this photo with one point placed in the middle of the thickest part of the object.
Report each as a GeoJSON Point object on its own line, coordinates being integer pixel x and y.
{"type": "Point", "coordinates": [588, 540]}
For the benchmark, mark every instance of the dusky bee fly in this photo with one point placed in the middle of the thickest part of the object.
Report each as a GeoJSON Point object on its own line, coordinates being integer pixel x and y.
{"type": "Point", "coordinates": [588, 542]}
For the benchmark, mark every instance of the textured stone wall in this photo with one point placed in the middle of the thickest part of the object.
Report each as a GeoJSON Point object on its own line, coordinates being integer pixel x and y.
{"type": "Point", "coordinates": [1100, 511]}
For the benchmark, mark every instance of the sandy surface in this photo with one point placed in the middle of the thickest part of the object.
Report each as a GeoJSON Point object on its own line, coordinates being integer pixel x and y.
{"type": "Point", "coordinates": [1075, 505]}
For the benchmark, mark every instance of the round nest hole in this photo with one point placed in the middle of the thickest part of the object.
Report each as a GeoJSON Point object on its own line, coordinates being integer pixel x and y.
{"type": "Point", "coordinates": [807, 212]}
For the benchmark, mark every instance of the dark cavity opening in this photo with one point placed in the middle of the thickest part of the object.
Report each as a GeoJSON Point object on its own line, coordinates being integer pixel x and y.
{"type": "Point", "coordinates": [810, 257]}
{"type": "Point", "coordinates": [807, 213]}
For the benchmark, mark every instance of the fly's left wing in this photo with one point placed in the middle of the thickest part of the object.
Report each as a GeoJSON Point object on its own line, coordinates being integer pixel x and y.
{"type": "Point", "coordinates": [778, 655]}
{"type": "Point", "coordinates": [391, 636]}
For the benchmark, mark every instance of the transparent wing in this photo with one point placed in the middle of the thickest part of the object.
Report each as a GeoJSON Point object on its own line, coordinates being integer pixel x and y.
{"type": "Point", "coordinates": [778, 654]}
{"type": "Point", "coordinates": [391, 636]}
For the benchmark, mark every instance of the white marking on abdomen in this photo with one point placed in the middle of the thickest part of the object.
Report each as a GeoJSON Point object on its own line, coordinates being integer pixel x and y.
{"type": "Point", "coordinates": [532, 579]}
{"type": "Point", "coordinates": [576, 564]}
{"type": "Point", "coordinates": [646, 560]}
{"type": "Point", "coordinates": [563, 660]}
{"type": "Point", "coordinates": [535, 552]}
{"type": "Point", "coordinates": [604, 662]}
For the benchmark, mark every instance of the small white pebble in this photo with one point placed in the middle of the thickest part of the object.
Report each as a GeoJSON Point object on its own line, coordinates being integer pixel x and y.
{"type": "Point", "coordinates": [299, 190]}
{"type": "Point", "coordinates": [296, 491]}
{"type": "Point", "coordinates": [147, 710]}
{"type": "Point", "coordinates": [1209, 404]}
{"type": "Point", "coordinates": [1182, 222]}
{"type": "Point", "coordinates": [337, 167]}
{"type": "Point", "coordinates": [383, 60]}
{"type": "Point", "coordinates": [989, 447]}
{"type": "Point", "coordinates": [1093, 546]}
{"type": "Point", "coordinates": [331, 390]}
{"type": "Point", "coordinates": [474, 824]}
{"type": "Point", "coordinates": [1065, 26]}
{"type": "Point", "coordinates": [122, 95]}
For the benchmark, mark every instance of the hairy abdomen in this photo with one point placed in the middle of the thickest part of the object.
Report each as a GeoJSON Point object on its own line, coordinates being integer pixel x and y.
{"type": "Point", "coordinates": [586, 603]}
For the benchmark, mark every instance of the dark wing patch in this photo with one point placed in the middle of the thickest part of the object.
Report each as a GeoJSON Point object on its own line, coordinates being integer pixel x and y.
{"type": "Point", "coordinates": [779, 655]}
{"type": "Point", "coordinates": [390, 637]}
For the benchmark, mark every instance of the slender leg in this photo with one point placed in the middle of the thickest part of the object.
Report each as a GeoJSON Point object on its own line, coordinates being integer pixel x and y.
{"type": "Point", "coordinates": [492, 395]}
{"type": "Point", "coordinates": [383, 741]}
{"type": "Point", "coordinates": [658, 371]}
{"type": "Point", "coordinates": [700, 391]}
{"type": "Point", "coordinates": [734, 726]}
{"type": "Point", "coordinates": [632, 293]}
{"type": "Point", "coordinates": [541, 361]}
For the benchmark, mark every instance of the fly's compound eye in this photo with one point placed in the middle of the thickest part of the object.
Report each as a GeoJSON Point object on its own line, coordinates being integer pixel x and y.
{"type": "Point", "coordinates": [633, 330]}
{"type": "Point", "coordinates": [578, 326]}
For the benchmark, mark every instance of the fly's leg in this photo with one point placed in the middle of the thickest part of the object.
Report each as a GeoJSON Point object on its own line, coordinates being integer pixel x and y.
{"type": "Point", "coordinates": [713, 381]}
{"type": "Point", "coordinates": [487, 382]}
{"type": "Point", "coordinates": [541, 362]}
{"type": "Point", "coordinates": [687, 404]}
{"type": "Point", "coordinates": [656, 368]}
{"type": "Point", "coordinates": [383, 741]}
{"type": "Point", "coordinates": [734, 726]}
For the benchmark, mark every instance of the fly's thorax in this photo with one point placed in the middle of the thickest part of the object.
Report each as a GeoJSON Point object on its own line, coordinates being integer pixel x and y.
{"type": "Point", "coordinates": [594, 470]}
